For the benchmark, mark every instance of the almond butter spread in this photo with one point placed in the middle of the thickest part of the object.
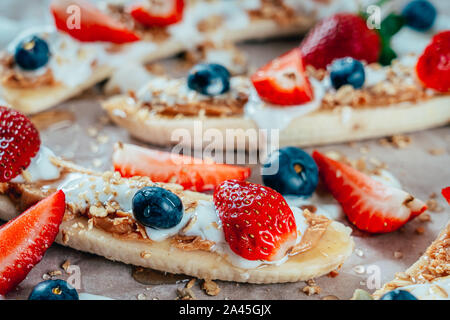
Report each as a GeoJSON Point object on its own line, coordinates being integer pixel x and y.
{"type": "Point", "coordinates": [317, 227]}
{"type": "Point", "coordinates": [10, 77]}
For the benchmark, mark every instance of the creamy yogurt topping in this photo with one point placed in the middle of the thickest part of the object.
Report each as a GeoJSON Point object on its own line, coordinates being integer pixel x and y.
{"type": "Point", "coordinates": [41, 168]}
{"type": "Point", "coordinates": [438, 289]}
{"type": "Point", "coordinates": [269, 116]}
{"type": "Point", "coordinates": [175, 91]}
{"type": "Point", "coordinates": [71, 61]}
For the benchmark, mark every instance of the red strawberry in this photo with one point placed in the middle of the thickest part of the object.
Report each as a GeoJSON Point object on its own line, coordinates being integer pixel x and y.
{"type": "Point", "coordinates": [283, 81]}
{"type": "Point", "coordinates": [19, 142]}
{"type": "Point", "coordinates": [193, 174]}
{"type": "Point", "coordinates": [94, 25]}
{"type": "Point", "coordinates": [433, 66]}
{"type": "Point", "coordinates": [158, 13]}
{"type": "Point", "coordinates": [446, 194]}
{"type": "Point", "coordinates": [24, 240]}
{"type": "Point", "coordinates": [370, 205]}
{"type": "Point", "coordinates": [257, 222]}
{"type": "Point", "coordinates": [338, 36]}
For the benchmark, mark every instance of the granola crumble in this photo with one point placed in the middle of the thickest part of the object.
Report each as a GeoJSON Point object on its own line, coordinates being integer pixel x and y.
{"type": "Point", "coordinates": [311, 288]}
{"type": "Point", "coordinates": [210, 287]}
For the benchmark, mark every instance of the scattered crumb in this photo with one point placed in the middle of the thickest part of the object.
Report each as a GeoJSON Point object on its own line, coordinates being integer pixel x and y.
{"type": "Point", "coordinates": [102, 139]}
{"type": "Point", "coordinates": [191, 283]}
{"type": "Point", "coordinates": [420, 230]}
{"type": "Point", "coordinates": [398, 255]}
{"type": "Point", "coordinates": [211, 288]}
{"type": "Point", "coordinates": [92, 132]}
{"type": "Point", "coordinates": [330, 297]}
{"type": "Point", "coordinates": [398, 141]}
{"type": "Point", "coordinates": [433, 195]}
{"type": "Point", "coordinates": [434, 206]}
{"type": "Point", "coordinates": [97, 163]}
{"type": "Point", "coordinates": [364, 149]}
{"type": "Point", "coordinates": [46, 276]}
{"type": "Point", "coordinates": [424, 217]}
{"type": "Point", "coordinates": [185, 294]}
{"type": "Point", "coordinates": [311, 288]}
{"type": "Point", "coordinates": [65, 237]}
{"type": "Point", "coordinates": [55, 273]}
{"type": "Point", "coordinates": [436, 151]}
{"type": "Point", "coordinates": [66, 265]}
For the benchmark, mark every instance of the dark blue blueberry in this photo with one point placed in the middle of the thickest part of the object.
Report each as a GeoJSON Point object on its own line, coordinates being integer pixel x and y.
{"type": "Point", "coordinates": [347, 71]}
{"type": "Point", "coordinates": [291, 170]}
{"type": "Point", "coordinates": [209, 79]}
{"type": "Point", "coordinates": [32, 53]}
{"type": "Point", "coordinates": [398, 294]}
{"type": "Point", "coordinates": [419, 15]}
{"type": "Point", "coordinates": [157, 208]}
{"type": "Point", "coordinates": [53, 290]}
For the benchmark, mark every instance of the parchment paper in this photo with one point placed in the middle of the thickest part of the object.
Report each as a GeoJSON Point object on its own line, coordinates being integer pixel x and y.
{"type": "Point", "coordinates": [83, 136]}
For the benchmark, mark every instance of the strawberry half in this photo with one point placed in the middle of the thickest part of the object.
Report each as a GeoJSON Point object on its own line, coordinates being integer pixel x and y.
{"type": "Point", "coordinates": [446, 194]}
{"type": "Point", "coordinates": [433, 66]}
{"type": "Point", "coordinates": [283, 81]}
{"type": "Point", "coordinates": [159, 166]}
{"type": "Point", "coordinates": [24, 240]}
{"type": "Point", "coordinates": [370, 205]}
{"type": "Point", "coordinates": [19, 142]}
{"type": "Point", "coordinates": [257, 222]}
{"type": "Point", "coordinates": [94, 25]}
{"type": "Point", "coordinates": [338, 36]}
{"type": "Point", "coordinates": [158, 13]}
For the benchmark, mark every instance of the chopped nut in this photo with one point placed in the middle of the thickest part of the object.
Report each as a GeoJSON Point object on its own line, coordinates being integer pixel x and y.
{"type": "Point", "coordinates": [211, 288]}
{"type": "Point", "coordinates": [191, 283]}
{"type": "Point", "coordinates": [434, 206]}
{"type": "Point", "coordinates": [55, 273]}
{"type": "Point", "coordinates": [424, 217]}
{"type": "Point", "coordinates": [311, 288]}
{"type": "Point", "coordinates": [65, 265]}
{"type": "Point", "coordinates": [420, 230]}
{"type": "Point", "coordinates": [185, 294]}
{"type": "Point", "coordinates": [436, 151]}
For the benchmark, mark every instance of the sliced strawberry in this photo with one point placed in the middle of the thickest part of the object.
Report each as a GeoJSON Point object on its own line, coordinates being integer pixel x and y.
{"type": "Point", "coordinates": [257, 222]}
{"type": "Point", "coordinates": [283, 81]}
{"type": "Point", "coordinates": [338, 36]}
{"type": "Point", "coordinates": [94, 25]}
{"type": "Point", "coordinates": [433, 66]}
{"type": "Point", "coordinates": [158, 13]}
{"type": "Point", "coordinates": [370, 205]}
{"type": "Point", "coordinates": [24, 240]}
{"type": "Point", "coordinates": [19, 142]}
{"type": "Point", "coordinates": [446, 194]}
{"type": "Point", "coordinates": [159, 166]}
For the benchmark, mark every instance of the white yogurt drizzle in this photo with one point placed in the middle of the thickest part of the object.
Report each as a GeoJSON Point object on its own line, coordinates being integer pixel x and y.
{"type": "Point", "coordinates": [438, 289]}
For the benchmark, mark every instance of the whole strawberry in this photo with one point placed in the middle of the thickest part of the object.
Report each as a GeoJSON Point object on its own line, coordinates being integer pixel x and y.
{"type": "Point", "coordinates": [257, 222]}
{"type": "Point", "coordinates": [19, 142]}
{"type": "Point", "coordinates": [433, 66]}
{"type": "Point", "coordinates": [338, 36]}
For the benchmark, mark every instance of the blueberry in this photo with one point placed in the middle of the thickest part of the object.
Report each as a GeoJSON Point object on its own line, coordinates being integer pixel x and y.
{"type": "Point", "coordinates": [347, 71]}
{"type": "Point", "coordinates": [209, 79]}
{"type": "Point", "coordinates": [291, 170]}
{"type": "Point", "coordinates": [32, 53]}
{"type": "Point", "coordinates": [398, 294]}
{"type": "Point", "coordinates": [419, 14]}
{"type": "Point", "coordinates": [157, 208]}
{"type": "Point", "coordinates": [53, 290]}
